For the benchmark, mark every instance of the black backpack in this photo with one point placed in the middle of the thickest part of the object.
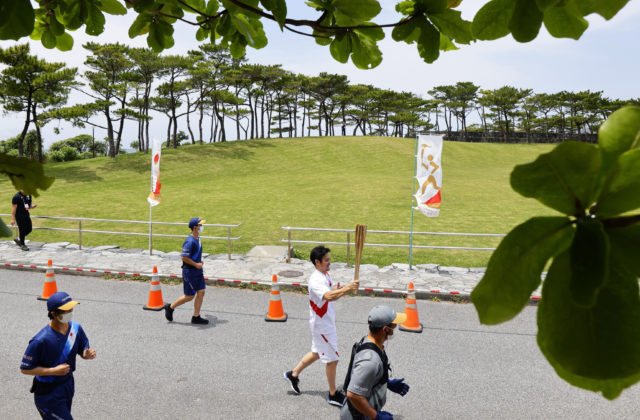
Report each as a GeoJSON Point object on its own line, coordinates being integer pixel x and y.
{"type": "Point", "coordinates": [365, 344]}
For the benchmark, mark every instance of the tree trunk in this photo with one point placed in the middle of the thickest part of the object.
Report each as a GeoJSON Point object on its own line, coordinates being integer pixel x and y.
{"type": "Point", "coordinates": [38, 136]}
{"type": "Point", "coordinates": [25, 128]}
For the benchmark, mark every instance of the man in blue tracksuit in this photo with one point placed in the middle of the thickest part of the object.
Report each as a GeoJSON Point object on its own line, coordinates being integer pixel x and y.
{"type": "Point", "coordinates": [192, 274]}
{"type": "Point", "coordinates": [51, 358]}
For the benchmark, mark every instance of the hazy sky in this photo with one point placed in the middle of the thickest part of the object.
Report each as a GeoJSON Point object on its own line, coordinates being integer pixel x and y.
{"type": "Point", "coordinates": [606, 58]}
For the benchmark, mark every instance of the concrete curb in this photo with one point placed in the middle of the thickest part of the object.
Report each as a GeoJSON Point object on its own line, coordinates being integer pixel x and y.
{"type": "Point", "coordinates": [285, 286]}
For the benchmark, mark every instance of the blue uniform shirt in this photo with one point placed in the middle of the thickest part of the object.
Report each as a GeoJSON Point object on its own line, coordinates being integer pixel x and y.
{"type": "Point", "coordinates": [45, 348]}
{"type": "Point", "coordinates": [192, 249]}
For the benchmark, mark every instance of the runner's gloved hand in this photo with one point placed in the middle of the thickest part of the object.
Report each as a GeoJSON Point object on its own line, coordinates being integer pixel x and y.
{"type": "Point", "coordinates": [398, 386]}
{"type": "Point", "coordinates": [383, 415]}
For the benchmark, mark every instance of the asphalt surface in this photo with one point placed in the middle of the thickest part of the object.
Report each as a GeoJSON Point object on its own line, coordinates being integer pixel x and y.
{"type": "Point", "coordinates": [232, 369]}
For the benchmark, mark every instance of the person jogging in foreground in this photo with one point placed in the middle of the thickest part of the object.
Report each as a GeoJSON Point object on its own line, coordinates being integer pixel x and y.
{"type": "Point", "coordinates": [51, 358]}
{"type": "Point", "coordinates": [324, 338]}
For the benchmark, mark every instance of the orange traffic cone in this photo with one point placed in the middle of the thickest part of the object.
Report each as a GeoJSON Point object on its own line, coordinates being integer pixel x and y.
{"type": "Point", "coordinates": [276, 312]}
{"type": "Point", "coordinates": [50, 286]}
{"type": "Point", "coordinates": [155, 293]}
{"type": "Point", "coordinates": [412, 324]}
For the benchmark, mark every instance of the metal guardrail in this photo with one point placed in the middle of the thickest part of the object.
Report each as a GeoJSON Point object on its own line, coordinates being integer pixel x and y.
{"type": "Point", "coordinates": [150, 235]}
{"type": "Point", "coordinates": [348, 243]}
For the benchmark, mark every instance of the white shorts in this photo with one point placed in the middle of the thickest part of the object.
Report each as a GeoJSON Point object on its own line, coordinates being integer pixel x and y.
{"type": "Point", "coordinates": [326, 345]}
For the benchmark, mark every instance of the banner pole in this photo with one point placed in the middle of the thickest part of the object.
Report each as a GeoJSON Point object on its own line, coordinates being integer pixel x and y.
{"type": "Point", "coordinates": [150, 231]}
{"type": "Point", "coordinates": [413, 191]}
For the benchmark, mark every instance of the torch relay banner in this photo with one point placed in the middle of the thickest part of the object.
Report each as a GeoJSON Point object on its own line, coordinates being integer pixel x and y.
{"type": "Point", "coordinates": [429, 174]}
{"type": "Point", "coordinates": [154, 195]}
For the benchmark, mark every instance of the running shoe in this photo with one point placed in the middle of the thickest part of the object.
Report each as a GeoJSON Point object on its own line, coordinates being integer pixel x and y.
{"type": "Point", "coordinates": [168, 312]}
{"type": "Point", "coordinates": [336, 399]}
{"type": "Point", "coordinates": [199, 320]}
{"type": "Point", "coordinates": [293, 381]}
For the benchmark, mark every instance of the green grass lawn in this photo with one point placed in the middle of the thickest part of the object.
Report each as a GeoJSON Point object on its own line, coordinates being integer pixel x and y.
{"type": "Point", "coordinates": [328, 182]}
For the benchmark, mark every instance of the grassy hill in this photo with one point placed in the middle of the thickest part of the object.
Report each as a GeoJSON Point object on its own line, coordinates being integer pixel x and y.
{"type": "Point", "coordinates": [328, 182]}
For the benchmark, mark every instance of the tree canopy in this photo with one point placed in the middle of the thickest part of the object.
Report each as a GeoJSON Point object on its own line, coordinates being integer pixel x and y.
{"type": "Point", "coordinates": [346, 26]}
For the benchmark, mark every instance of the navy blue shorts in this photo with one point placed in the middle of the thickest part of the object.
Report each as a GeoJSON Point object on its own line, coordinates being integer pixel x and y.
{"type": "Point", "coordinates": [56, 404]}
{"type": "Point", "coordinates": [192, 281]}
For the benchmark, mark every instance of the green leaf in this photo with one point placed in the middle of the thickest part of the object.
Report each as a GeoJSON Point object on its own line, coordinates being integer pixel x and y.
{"type": "Point", "coordinates": [25, 174]}
{"type": "Point", "coordinates": [238, 47]}
{"type": "Point", "coordinates": [198, 5]}
{"type": "Point", "coordinates": [446, 44]}
{"type": "Point", "coordinates": [406, 7]}
{"type": "Point", "coordinates": [515, 268]}
{"type": "Point", "coordinates": [322, 41]}
{"type": "Point", "coordinates": [95, 21]}
{"type": "Point", "coordinates": [589, 260]}
{"type": "Point", "coordinates": [430, 6]}
{"type": "Point", "coordinates": [201, 34]}
{"type": "Point", "coordinates": [160, 36]}
{"type": "Point", "coordinates": [408, 32]}
{"type": "Point", "coordinates": [212, 7]}
{"type": "Point", "coordinates": [73, 15]}
{"type": "Point", "coordinates": [620, 132]}
{"type": "Point", "coordinates": [624, 243]}
{"type": "Point", "coordinates": [375, 34]}
{"type": "Point", "coordinates": [278, 8]}
{"type": "Point", "coordinates": [64, 42]}
{"type": "Point", "coordinates": [545, 4]}
{"type": "Point", "coordinates": [113, 7]}
{"type": "Point", "coordinates": [365, 53]}
{"type": "Point", "coordinates": [4, 230]}
{"type": "Point", "coordinates": [251, 29]}
{"type": "Point", "coordinates": [16, 19]}
{"type": "Point", "coordinates": [428, 42]}
{"type": "Point", "coordinates": [54, 26]}
{"type": "Point", "coordinates": [354, 12]}
{"type": "Point", "coordinates": [341, 47]}
{"type": "Point", "coordinates": [526, 21]}
{"type": "Point", "coordinates": [565, 179]}
{"type": "Point", "coordinates": [621, 191]}
{"type": "Point", "coordinates": [492, 20]}
{"type": "Point", "coordinates": [562, 23]}
{"type": "Point", "coordinates": [595, 348]}
{"type": "Point", "coordinates": [451, 24]}
{"type": "Point", "coordinates": [605, 8]}
{"type": "Point", "coordinates": [48, 39]}
{"type": "Point", "coordinates": [140, 26]}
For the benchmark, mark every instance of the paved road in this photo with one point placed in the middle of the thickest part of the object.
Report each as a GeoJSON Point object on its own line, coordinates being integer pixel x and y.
{"type": "Point", "coordinates": [231, 369]}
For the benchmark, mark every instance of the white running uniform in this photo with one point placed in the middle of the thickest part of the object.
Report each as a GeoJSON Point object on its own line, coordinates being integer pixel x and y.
{"type": "Point", "coordinates": [324, 338]}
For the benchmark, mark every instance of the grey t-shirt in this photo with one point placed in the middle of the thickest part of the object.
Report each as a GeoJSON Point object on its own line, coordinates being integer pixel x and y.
{"type": "Point", "coordinates": [366, 372]}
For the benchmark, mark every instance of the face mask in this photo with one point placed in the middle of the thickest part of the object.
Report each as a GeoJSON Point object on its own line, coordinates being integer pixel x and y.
{"type": "Point", "coordinates": [200, 229]}
{"type": "Point", "coordinates": [390, 336]}
{"type": "Point", "coordinates": [65, 318]}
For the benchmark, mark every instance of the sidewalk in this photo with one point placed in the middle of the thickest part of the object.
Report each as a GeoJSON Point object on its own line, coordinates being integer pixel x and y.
{"type": "Point", "coordinates": [429, 279]}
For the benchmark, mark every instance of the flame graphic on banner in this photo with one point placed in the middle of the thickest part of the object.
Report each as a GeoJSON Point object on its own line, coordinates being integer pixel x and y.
{"type": "Point", "coordinates": [154, 196]}
{"type": "Point", "coordinates": [429, 174]}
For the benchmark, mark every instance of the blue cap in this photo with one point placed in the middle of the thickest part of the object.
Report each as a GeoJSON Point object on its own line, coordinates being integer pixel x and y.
{"type": "Point", "coordinates": [60, 300]}
{"type": "Point", "coordinates": [195, 222]}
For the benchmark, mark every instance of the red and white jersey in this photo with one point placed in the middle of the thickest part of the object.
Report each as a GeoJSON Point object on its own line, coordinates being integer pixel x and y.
{"type": "Point", "coordinates": [322, 316]}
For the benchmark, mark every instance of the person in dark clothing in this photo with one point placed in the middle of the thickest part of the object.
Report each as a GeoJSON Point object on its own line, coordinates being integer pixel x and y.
{"type": "Point", "coordinates": [193, 282]}
{"type": "Point", "coordinates": [21, 204]}
{"type": "Point", "coordinates": [51, 358]}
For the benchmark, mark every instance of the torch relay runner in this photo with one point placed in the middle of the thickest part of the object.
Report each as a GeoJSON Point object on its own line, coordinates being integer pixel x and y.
{"type": "Point", "coordinates": [324, 338]}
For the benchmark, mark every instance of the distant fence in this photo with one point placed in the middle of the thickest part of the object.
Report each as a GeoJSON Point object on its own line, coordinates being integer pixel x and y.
{"type": "Point", "coordinates": [517, 137]}
{"type": "Point", "coordinates": [348, 243]}
{"type": "Point", "coordinates": [80, 230]}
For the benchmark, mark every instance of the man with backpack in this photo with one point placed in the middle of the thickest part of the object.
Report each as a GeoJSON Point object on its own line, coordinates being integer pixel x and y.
{"type": "Point", "coordinates": [367, 378]}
